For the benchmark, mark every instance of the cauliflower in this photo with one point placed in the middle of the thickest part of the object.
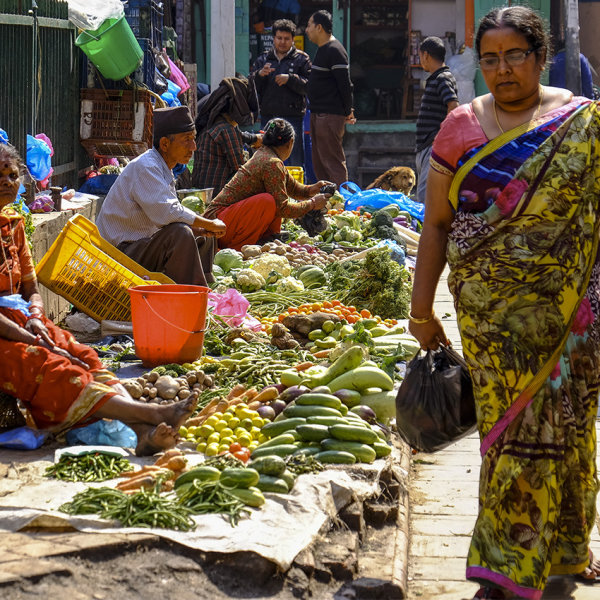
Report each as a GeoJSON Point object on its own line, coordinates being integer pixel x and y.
{"type": "Point", "coordinates": [248, 280]}
{"type": "Point", "coordinates": [289, 284]}
{"type": "Point", "coordinates": [223, 284]}
{"type": "Point", "coordinates": [272, 266]}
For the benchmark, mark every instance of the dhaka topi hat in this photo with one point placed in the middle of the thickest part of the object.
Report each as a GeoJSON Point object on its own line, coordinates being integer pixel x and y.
{"type": "Point", "coordinates": [175, 119]}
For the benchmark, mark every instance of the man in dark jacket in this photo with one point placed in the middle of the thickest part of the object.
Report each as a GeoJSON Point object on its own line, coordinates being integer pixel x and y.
{"type": "Point", "coordinates": [280, 77]}
{"type": "Point", "coordinates": [330, 100]}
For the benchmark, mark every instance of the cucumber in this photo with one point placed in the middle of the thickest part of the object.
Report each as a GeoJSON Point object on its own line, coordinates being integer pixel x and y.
{"type": "Point", "coordinates": [250, 497]}
{"type": "Point", "coordinates": [267, 483]}
{"type": "Point", "coordinates": [362, 452]}
{"type": "Point", "coordinates": [205, 473]}
{"type": "Point", "coordinates": [284, 438]}
{"type": "Point", "coordinates": [268, 465]}
{"type": "Point", "coordinates": [289, 479]}
{"type": "Point", "coordinates": [362, 378]}
{"type": "Point", "coordinates": [354, 419]}
{"type": "Point", "coordinates": [309, 399]}
{"type": "Point", "coordinates": [241, 477]}
{"type": "Point", "coordinates": [278, 427]}
{"type": "Point", "coordinates": [382, 449]}
{"type": "Point", "coordinates": [308, 451]}
{"type": "Point", "coordinates": [313, 433]}
{"type": "Point", "coordinates": [343, 409]}
{"type": "Point", "coordinates": [310, 411]}
{"type": "Point", "coordinates": [328, 421]}
{"type": "Point", "coordinates": [336, 457]}
{"type": "Point", "coordinates": [281, 450]}
{"type": "Point", "coordinates": [352, 433]}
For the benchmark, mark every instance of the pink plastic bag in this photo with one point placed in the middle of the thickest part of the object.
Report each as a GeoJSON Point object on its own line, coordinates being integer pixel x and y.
{"type": "Point", "coordinates": [178, 77]}
{"type": "Point", "coordinates": [233, 308]}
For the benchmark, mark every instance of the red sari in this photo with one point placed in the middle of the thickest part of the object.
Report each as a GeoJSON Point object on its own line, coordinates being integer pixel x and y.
{"type": "Point", "coordinates": [58, 394]}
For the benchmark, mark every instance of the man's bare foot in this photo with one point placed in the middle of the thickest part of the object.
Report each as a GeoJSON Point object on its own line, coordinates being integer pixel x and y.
{"type": "Point", "coordinates": [178, 413]}
{"type": "Point", "coordinates": [155, 439]}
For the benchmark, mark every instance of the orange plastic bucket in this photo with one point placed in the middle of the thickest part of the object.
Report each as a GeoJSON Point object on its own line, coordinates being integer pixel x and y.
{"type": "Point", "coordinates": [169, 322]}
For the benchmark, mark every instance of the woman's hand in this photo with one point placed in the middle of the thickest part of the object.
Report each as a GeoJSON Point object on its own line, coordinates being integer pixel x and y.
{"type": "Point", "coordinates": [315, 188]}
{"type": "Point", "coordinates": [430, 334]}
{"type": "Point", "coordinates": [320, 201]}
{"type": "Point", "coordinates": [36, 327]}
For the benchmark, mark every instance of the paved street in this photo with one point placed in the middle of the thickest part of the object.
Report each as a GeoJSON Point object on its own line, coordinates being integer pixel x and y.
{"type": "Point", "coordinates": [444, 508]}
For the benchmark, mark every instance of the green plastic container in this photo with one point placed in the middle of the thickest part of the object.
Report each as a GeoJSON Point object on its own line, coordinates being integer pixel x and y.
{"type": "Point", "coordinates": [112, 48]}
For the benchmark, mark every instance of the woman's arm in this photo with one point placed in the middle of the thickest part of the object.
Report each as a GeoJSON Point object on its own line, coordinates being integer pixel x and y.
{"type": "Point", "coordinates": [431, 259]}
{"type": "Point", "coordinates": [11, 331]}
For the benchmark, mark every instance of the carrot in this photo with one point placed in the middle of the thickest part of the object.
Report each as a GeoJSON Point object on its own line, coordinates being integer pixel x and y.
{"type": "Point", "coordinates": [147, 481]}
{"type": "Point", "coordinates": [145, 469]}
{"type": "Point", "coordinates": [266, 395]}
{"type": "Point", "coordinates": [176, 463]}
{"type": "Point", "coordinates": [236, 390]}
{"type": "Point", "coordinates": [305, 365]}
{"type": "Point", "coordinates": [322, 353]}
{"type": "Point", "coordinates": [164, 458]}
{"type": "Point", "coordinates": [251, 394]}
{"type": "Point", "coordinates": [254, 404]}
{"type": "Point", "coordinates": [167, 486]}
{"type": "Point", "coordinates": [209, 406]}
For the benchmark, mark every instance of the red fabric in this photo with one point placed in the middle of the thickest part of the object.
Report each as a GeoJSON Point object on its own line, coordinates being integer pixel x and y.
{"type": "Point", "coordinates": [46, 383]}
{"type": "Point", "coordinates": [249, 220]}
{"type": "Point", "coordinates": [19, 266]}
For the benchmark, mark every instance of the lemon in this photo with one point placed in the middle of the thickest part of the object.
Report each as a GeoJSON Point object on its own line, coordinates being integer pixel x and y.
{"type": "Point", "coordinates": [244, 440]}
{"type": "Point", "coordinates": [244, 413]}
{"type": "Point", "coordinates": [204, 430]}
{"type": "Point", "coordinates": [211, 450]}
{"type": "Point", "coordinates": [258, 422]}
{"type": "Point", "coordinates": [234, 422]}
{"type": "Point", "coordinates": [262, 438]}
{"type": "Point", "coordinates": [201, 447]}
{"type": "Point", "coordinates": [246, 424]}
{"type": "Point", "coordinates": [211, 420]}
{"type": "Point", "coordinates": [183, 431]}
{"type": "Point", "coordinates": [223, 448]}
{"type": "Point", "coordinates": [226, 440]}
{"type": "Point", "coordinates": [227, 416]}
{"type": "Point", "coordinates": [227, 432]}
{"type": "Point", "coordinates": [213, 438]}
{"type": "Point", "coordinates": [253, 445]}
{"type": "Point", "coordinates": [240, 431]}
{"type": "Point", "coordinates": [218, 415]}
{"type": "Point", "coordinates": [220, 425]}
{"type": "Point", "coordinates": [254, 432]}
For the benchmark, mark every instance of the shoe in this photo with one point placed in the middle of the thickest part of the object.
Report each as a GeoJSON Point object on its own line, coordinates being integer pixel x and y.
{"type": "Point", "coordinates": [489, 593]}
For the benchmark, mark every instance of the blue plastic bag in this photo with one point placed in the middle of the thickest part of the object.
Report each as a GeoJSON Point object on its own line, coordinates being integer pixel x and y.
{"type": "Point", "coordinates": [170, 96]}
{"type": "Point", "coordinates": [104, 432]}
{"type": "Point", "coordinates": [99, 185]}
{"type": "Point", "coordinates": [22, 438]}
{"type": "Point", "coordinates": [3, 137]}
{"type": "Point", "coordinates": [377, 198]}
{"type": "Point", "coordinates": [38, 158]}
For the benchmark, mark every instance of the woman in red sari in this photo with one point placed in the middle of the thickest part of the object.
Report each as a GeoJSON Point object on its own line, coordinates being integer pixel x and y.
{"type": "Point", "coordinates": [61, 382]}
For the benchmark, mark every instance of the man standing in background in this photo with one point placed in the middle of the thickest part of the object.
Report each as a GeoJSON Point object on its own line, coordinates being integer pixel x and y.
{"type": "Point", "coordinates": [330, 100]}
{"type": "Point", "coordinates": [280, 77]}
{"type": "Point", "coordinates": [439, 98]}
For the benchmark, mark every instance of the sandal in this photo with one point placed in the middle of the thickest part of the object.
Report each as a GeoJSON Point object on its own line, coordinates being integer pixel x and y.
{"type": "Point", "coordinates": [591, 574]}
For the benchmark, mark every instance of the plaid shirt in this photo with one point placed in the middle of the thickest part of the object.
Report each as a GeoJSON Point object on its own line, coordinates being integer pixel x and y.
{"type": "Point", "coordinates": [264, 173]}
{"type": "Point", "coordinates": [219, 155]}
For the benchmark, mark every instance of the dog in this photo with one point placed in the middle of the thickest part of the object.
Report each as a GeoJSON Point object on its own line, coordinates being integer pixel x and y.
{"type": "Point", "coordinates": [396, 179]}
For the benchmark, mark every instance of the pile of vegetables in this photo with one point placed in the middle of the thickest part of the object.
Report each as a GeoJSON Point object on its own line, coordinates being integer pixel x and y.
{"type": "Point", "coordinates": [167, 467]}
{"type": "Point", "coordinates": [92, 466]}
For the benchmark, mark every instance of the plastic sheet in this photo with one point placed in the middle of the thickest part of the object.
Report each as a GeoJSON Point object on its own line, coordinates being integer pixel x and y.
{"type": "Point", "coordinates": [90, 14]}
{"type": "Point", "coordinates": [233, 308]}
{"type": "Point", "coordinates": [105, 432]}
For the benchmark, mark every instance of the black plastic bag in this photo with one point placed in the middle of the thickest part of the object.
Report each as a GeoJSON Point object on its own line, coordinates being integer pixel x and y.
{"type": "Point", "coordinates": [435, 405]}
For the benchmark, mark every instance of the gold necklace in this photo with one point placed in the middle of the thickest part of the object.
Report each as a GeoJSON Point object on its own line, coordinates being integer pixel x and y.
{"type": "Point", "coordinates": [535, 114]}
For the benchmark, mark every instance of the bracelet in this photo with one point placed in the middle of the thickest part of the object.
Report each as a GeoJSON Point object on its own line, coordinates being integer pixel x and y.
{"type": "Point", "coordinates": [420, 320]}
{"type": "Point", "coordinates": [37, 340]}
{"type": "Point", "coordinates": [34, 317]}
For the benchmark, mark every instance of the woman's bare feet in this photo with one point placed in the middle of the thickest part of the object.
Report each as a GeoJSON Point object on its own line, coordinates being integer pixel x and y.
{"type": "Point", "coordinates": [155, 439]}
{"type": "Point", "coordinates": [592, 571]}
{"type": "Point", "coordinates": [178, 413]}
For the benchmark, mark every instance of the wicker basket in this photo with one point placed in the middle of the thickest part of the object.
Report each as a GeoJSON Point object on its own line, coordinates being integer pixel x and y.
{"type": "Point", "coordinates": [10, 415]}
{"type": "Point", "coordinates": [116, 122]}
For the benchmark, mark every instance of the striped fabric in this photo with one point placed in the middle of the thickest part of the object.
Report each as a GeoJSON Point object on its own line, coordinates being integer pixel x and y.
{"type": "Point", "coordinates": [440, 89]}
{"type": "Point", "coordinates": [141, 201]}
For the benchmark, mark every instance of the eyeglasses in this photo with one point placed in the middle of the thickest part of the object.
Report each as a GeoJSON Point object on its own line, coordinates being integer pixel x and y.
{"type": "Point", "coordinates": [514, 58]}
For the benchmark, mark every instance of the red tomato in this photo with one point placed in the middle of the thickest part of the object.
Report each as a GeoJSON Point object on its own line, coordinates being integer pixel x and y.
{"type": "Point", "coordinates": [235, 447]}
{"type": "Point", "coordinates": [242, 455]}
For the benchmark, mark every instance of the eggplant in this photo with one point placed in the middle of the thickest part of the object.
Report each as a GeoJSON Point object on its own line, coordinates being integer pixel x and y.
{"type": "Point", "coordinates": [278, 406]}
{"type": "Point", "coordinates": [321, 389]}
{"type": "Point", "coordinates": [266, 412]}
{"type": "Point", "coordinates": [292, 393]}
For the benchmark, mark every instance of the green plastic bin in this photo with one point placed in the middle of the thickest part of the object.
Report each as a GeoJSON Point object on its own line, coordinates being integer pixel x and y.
{"type": "Point", "coordinates": [112, 48]}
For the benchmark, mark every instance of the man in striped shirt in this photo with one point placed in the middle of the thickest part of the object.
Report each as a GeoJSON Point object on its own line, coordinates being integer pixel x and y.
{"type": "Point", "coordinates": [142, 216]}
{"type": "Point", "coordinates": [439, 98]}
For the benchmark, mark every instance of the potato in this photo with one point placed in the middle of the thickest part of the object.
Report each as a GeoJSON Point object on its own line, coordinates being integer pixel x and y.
{"type": "Point", "coordinates": [183, 394]}
{"type": "Point", "coordinates": [167, 387]}
{"type": "Point", "coordinates": [152, 376]}
{"type": "Point", "coordinates": [133, 387]}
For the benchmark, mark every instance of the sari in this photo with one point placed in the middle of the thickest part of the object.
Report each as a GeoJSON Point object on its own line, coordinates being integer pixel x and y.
{"type": "Point", "coordinates": [58, 394]}
{"type": "Point", "coordinates": [525, 278]}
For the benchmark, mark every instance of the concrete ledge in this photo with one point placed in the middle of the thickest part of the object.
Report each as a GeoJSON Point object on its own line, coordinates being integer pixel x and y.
{"type": "Point", "coordinates": [47, 228]}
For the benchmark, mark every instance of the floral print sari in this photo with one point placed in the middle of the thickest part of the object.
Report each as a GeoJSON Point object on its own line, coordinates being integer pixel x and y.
{"type": "Point", "coordinates": [526, 282]}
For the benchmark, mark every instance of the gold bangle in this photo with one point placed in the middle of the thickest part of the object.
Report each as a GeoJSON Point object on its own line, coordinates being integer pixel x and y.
{"type": "Point", "coordinates": [419, 320]}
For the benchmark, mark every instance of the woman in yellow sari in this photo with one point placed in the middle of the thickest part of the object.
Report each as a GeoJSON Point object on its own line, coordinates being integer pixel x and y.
{"type": "Point", "coordinates": [513, 207]}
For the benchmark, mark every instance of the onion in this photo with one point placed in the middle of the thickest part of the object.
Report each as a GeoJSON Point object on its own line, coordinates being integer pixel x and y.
{"type": "Point", "coordinates": [266, 412]}
{"type": "Point", "coordinates": [292, 393]}
{"type": "Point", "coordinates": [366, 413]}
{"type": "Point", "coordinates": [277, 406]}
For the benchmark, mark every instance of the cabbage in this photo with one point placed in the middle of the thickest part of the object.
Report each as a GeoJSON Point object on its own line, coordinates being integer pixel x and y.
{"type": "Point", "coordinates": [193, 203]}
{"type": "Point", "coordinates": [228, 259]}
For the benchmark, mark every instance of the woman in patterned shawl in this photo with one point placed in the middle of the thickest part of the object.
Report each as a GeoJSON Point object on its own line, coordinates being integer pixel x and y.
{"type": "Point", "coordinates": [513, 207]}
{"type": "Point", "coordinates": [61, 382]}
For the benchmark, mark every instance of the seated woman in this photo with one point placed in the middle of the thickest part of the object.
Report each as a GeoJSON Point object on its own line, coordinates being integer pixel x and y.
{"type": "Point", "coordinates": [61, 382]}
{"type": "Point", "coordinates": [220, 142]}
{"type": "Point", "coordinates": [253, 203]}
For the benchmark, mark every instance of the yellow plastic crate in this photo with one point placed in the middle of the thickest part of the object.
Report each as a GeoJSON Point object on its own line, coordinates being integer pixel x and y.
{"type": "Point", "coordinates": [297, 173]}
{"type": "Point", "coordinates": [91, 273]}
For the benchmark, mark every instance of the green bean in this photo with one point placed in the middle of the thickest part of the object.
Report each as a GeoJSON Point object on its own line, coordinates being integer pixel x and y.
{"type": "Point", "coordinates": [88, 467]}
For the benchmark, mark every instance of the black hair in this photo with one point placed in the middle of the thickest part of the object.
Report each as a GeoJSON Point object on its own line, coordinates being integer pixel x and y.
{"type": "Point", "coordinates": [156, 141]}
{"type": "Point", "coordinates": [434, 46]}
{"type": "Point", "coordinates": [523, 20]}
{"type": "Point", "coordinates": [9, 152]}
{"type": "Point", "coordinates": [323, 18]}
{"type": "Point", "coordinates": [284, 25]}
{"type": "Point", "coordinates": [278, 132]}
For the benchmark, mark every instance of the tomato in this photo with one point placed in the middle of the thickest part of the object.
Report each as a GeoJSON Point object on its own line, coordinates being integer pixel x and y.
{"type": "Point", "coordinates": [366, 314]}
{"type": "Point", "coordinates": [352, 319]}
{"type": "Point", "coordinates": [235, 447]}
{"type": "Point", "coordinates": [316, 306]}
{"type": "Point", "coordinates": [336, 303]}
{"type": "Point", "coordinates": [292, 310]}
{"type": "Point", "coordinates": [327, 304]}
{"type": "Point", "coordinates": [242, 455]}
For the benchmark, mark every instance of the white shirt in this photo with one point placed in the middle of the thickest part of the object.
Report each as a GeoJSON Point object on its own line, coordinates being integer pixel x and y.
{"type": "Point", "coordinates": [141, 201]}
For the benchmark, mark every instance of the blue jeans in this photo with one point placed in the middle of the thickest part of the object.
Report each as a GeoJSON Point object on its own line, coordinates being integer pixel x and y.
{"type": "Point", "coordinates": [296, 158]}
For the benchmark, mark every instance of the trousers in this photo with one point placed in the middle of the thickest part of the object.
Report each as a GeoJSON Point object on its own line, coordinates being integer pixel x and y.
{"type": "Point", "coordinates": [327, 134]}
